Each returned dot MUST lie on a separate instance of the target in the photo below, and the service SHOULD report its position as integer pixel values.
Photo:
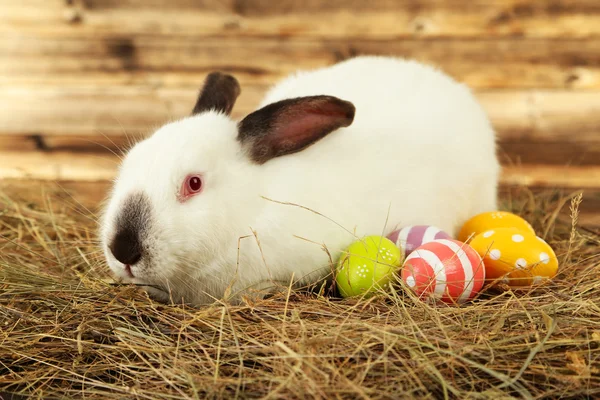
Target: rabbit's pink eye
(195, 183)
(192, 185)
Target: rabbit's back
(396, 99)
(419, 140)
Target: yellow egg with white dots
(489, 220)
(515, 257)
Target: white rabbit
(196, 211)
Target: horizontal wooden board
(381, 19)
(70, 143)
(553, 116)
(59, 166)
(66, 166)
(544, 115)
(575, 177)
(536, 151)
(167, 60)
(97, 111)
(510, 151)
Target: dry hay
(66, 332)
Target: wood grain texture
(482, 64)
(554, 115)
(75, 144)
(110, 110)
(575, 177)
(58, 166)
(511, 152)
(87, 77)
(535, 151)
(381, 19)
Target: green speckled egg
(367, 265)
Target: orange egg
(517, 257)
(490, 220)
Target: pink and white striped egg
(444, 269)
(413, 236)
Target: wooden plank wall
(79, 77)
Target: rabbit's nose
(126, 247)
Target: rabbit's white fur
(420, 151)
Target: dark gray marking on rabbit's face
(291, 125)
(219, 93)
(132, 227)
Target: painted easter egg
(489, 220)
(519, 258)
(411, 237)
(444, 269)
(367, 265)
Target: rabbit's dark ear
(218, 93)
(291, 125)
